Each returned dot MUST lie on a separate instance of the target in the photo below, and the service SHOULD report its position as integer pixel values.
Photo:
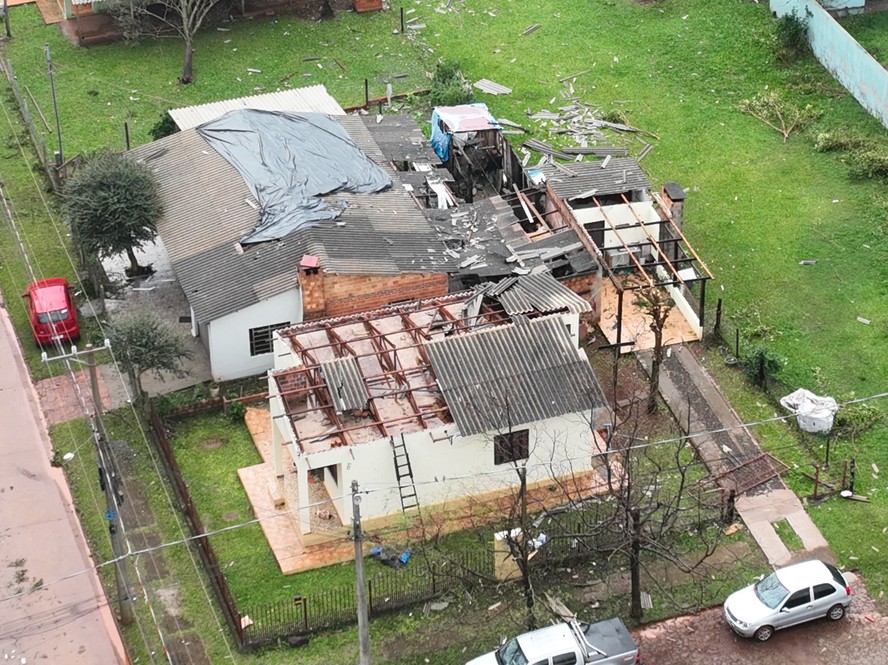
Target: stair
(404, 473)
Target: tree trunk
(6, 19)
(524, 550)
(635, 566)
(188, 65)
(656, 361)
(134, 268)
(136, 385)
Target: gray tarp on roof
(289, 161)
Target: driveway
(705, 639)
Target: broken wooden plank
(644, 151)
(573, 76)
(491, 87)
(598, 152)
(531, 28)
(508, 123)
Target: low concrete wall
(839, 52)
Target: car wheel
(835, 613)
(764, 633)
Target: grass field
(678, 69)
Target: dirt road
(705, 639)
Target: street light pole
(55, 105)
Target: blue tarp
(440, 138)
(291, 162)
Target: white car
(786, 597)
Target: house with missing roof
(273, 216)
(433, 402)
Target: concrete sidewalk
(68, 621)
(735, 458)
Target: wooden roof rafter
(653, 241)
(678, 232)
(632, 256)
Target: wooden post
(366, 93)
(816, 479)
(403, 28)
(718, 317)
(737, 343)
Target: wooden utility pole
(363, 618)
(107, 477)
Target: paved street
(67, 623)
(860, 639)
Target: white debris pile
(813, 413)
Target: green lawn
(871, 31)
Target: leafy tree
(139, 18)
(113, 204)
(143, 342)
(165, 126)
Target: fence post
(718, 317)
(816, 480)
(370, 596)
(737, 343)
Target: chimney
(311, 281)
(673, 197)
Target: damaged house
(427, 403)
(273, 217)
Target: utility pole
(55, 106)
(363, 619)
(108, 480)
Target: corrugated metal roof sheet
(622, 174)
(313, 99)
(345, 383)
(208, 208)
(515, 301)
(547, 294)
(400, 139)
(512, 375)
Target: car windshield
(770, 591)
(510, 654)
(54, 317)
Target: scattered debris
(530, 29)
(808, 262)
(732, 529)
(573, 77)
(847, 494)
(546, 149)
(864, 321)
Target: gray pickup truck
(568, 643)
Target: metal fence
(423, 579)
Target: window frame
(255, 340)
(511, 447)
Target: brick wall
(589, 288)
(335, 295)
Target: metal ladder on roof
(404, 473)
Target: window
(510, 447)
(823, 590)
(564, 659)
(260, 338)
(798, 599)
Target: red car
(51, 311)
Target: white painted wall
(447, 466)
(228, 338)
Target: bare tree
(139, 18)
(657, 305)
(652, 502)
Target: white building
(431, 401)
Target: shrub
(836, 142)
(791, 32)
(165, 126)
(871, 163)
(449, 86)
